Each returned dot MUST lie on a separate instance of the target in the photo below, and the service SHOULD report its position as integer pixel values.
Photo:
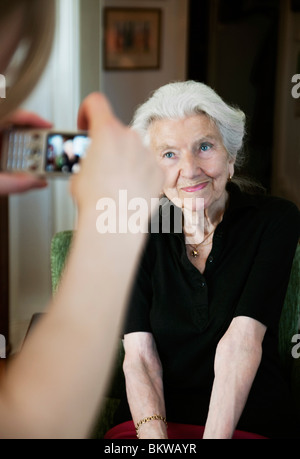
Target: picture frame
(132, 38)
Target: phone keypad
(24, 151)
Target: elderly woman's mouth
(199, 186)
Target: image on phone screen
(64, 152)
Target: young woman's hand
(116, 159)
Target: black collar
(239, 199)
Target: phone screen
(64, 152)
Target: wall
(286, 169)
(90, 46)
(242, 69)
(127, 89)
(30, 228)
(36, 216)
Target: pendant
(194, 253)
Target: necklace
(195, 249)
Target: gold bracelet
(155, 417)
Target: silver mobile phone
(43, 152)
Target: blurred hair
(179, 100)
(38, 23)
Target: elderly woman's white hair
(179, 100)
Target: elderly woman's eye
(205, 146)
(169, 154)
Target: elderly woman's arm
(237, 360)
(144, 385)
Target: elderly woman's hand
(21, 181)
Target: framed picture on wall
(132, 38)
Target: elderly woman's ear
(231, 170)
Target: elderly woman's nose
(189, 165)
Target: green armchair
(289, 326)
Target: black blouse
(246, 274)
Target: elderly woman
(202, 327)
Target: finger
(20, 183)
(93, 112)
(25, 118)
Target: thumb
(93, 112)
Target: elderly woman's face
(192, 155)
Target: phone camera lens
(35, 153)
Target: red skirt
(126, 431)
